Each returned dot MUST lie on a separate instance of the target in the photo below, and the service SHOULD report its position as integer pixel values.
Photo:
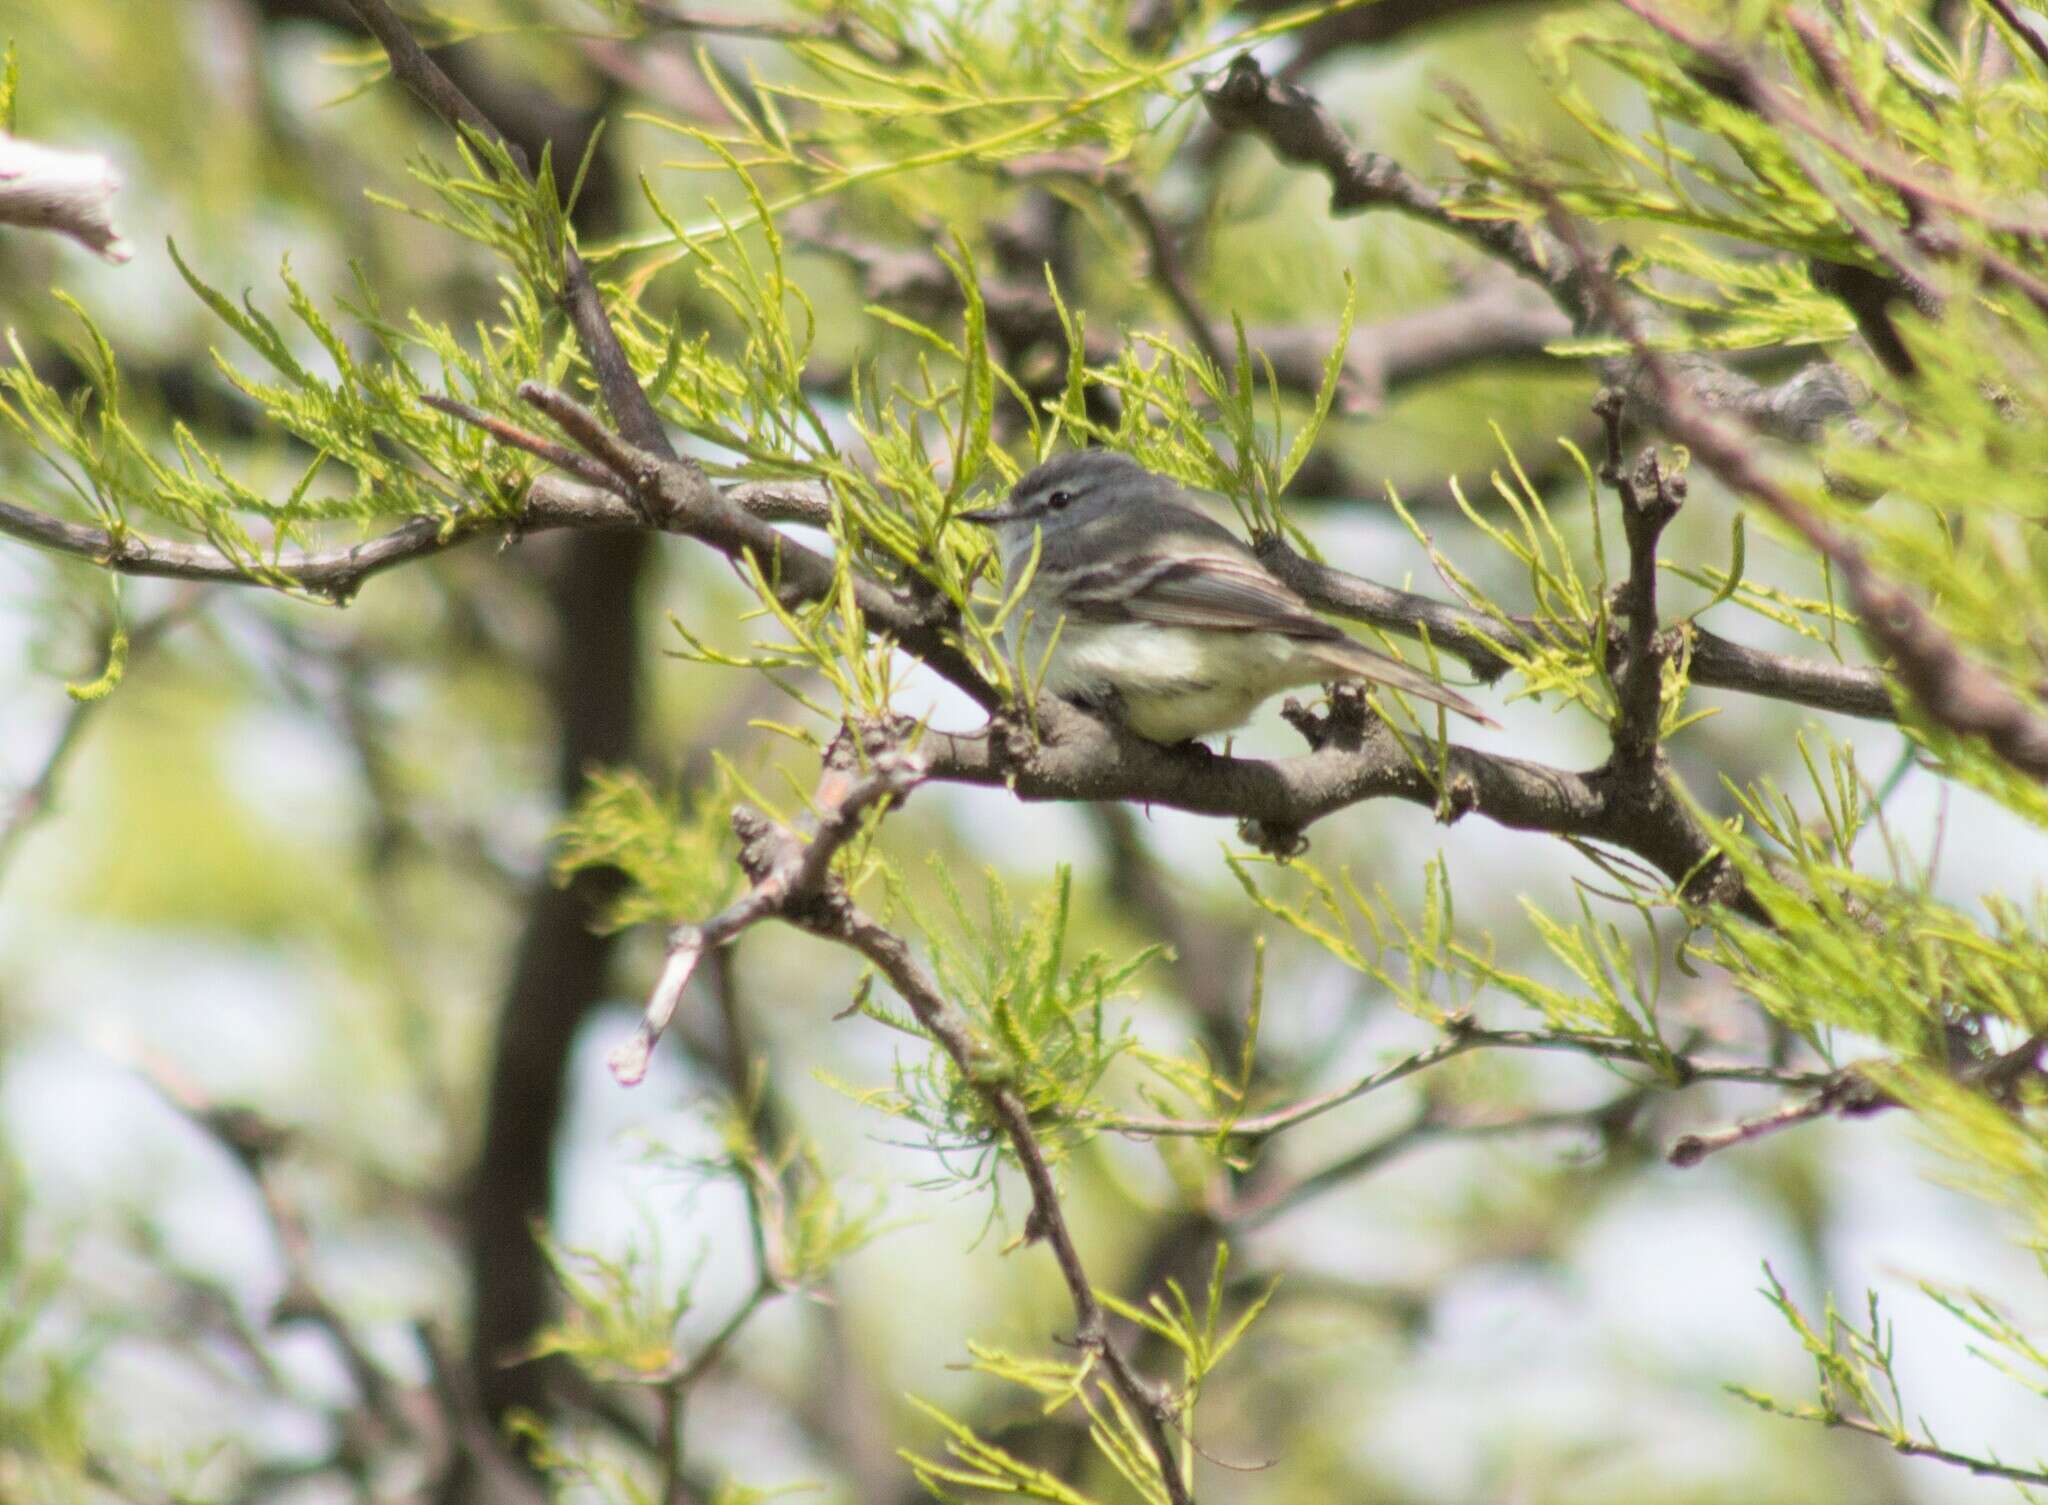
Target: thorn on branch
(1608, 407)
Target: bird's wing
(1224, 589)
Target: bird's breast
(1174, 682)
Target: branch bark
(792, 880)
(72, 193)
(1300, 130)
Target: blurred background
(298, 861)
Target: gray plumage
(1164, 616)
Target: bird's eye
(1059, 499)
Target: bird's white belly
(1175, 682)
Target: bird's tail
(1349, 659)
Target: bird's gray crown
(1070, 489)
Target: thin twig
(1780, 106)
(1690, 1149)
(1427, 1127)
(2022, 28)
(840, 26)
(561, 456)
(411, 66)
(1047, 1221)
(1116, 182)
(1911, 1447)
(1681, 1070)
(334, 574)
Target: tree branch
(1716, 662)
(1427, 1126)
(792, 880)
(336, 574)
(1649, 501)
(842, 27)
(40, 796)
(1499, 320)
(788, 875)
(1358, 757)
(1299, 130)
(1461, 1035)
(254, 1143)
(412, 67)
(1911, 1447)
(2027, 31)
(1953, 690)
(43, 188)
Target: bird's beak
(990, 515)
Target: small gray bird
(1170, 621)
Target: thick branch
(1649, 501)
(1359, 758)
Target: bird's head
(1065, 493)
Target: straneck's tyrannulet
(1165, 619)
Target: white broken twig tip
(43, 188)
(628, 1060)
